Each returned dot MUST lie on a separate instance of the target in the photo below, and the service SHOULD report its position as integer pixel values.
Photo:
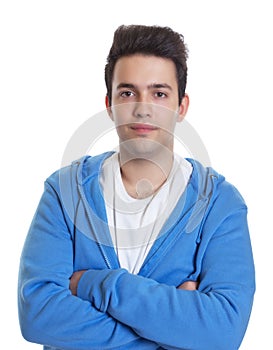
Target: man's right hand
(74, 280)
(188, 285)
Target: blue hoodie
(205, 239)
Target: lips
(143, 128)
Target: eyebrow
(151, 86)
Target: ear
(183, 108)
(108, 107)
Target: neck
(142, 177)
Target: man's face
(145, 104)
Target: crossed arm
(116, 309)
(174, 318)
(75, 278)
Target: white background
(52, 64)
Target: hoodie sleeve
(213, 317)
(49, 314)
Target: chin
(143, 148)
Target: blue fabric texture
(205, 239)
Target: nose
(143, 110)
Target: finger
(189, 285)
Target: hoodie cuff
(96, 286)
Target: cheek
(121, 131)
(166, 120)
(122, 114)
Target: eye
(126, 94)
(160, 94)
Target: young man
(140, 248)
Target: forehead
(144, 69)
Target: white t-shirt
(136, 223)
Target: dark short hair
(148, 40)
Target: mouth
(143, 128)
